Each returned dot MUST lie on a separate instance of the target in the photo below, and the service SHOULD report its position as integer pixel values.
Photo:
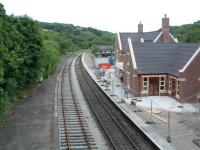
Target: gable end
(132, 53)
(119, 41)
(190, 60)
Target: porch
(156, 85)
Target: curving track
(122, 133)
(73, 129)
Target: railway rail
(120, 130)
(73, 129)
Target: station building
(154, 63)
(105, 51)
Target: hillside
(75, 37)
(189, 33)
(30, 51)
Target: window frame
(145, 87)
(162, 83)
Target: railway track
(73, 130)
(121, 132)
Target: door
(153, 86)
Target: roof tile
(162, 57)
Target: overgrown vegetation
(95, 49)
(21, 56)
(30, 51)
(72, 37)
(189, 33)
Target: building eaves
(159, 58)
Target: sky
(108, 15)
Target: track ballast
(120, 130)
(73, 130)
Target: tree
(189, 33)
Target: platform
(155, 124)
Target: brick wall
(119, 53)
(165, 37)
(121, 56)
(134, 78)
(191, 84)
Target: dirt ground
(31, 124)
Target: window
(145, 88)
(145, 83)
(162, 88)
(177, 87)
(162, 83)
(170, 84)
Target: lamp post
(113, 88)
(107, 84)
(121, 91)
(168, 131)
(197, 105)
(151, 111)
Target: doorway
(153, 86)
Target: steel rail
(66, 124)
(78, 111)
(116, 129)
(133, 134)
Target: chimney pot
(140, 27)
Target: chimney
(140, 27)
(165, 23)
(165, 29)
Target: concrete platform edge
(162, 145)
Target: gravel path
(31, 124)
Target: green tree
(189, 33)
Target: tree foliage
(30, 50)
(189, 33)
(21, 55)
(72, 37)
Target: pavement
(170, 118)
(30, 123)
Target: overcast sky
(109, 15)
